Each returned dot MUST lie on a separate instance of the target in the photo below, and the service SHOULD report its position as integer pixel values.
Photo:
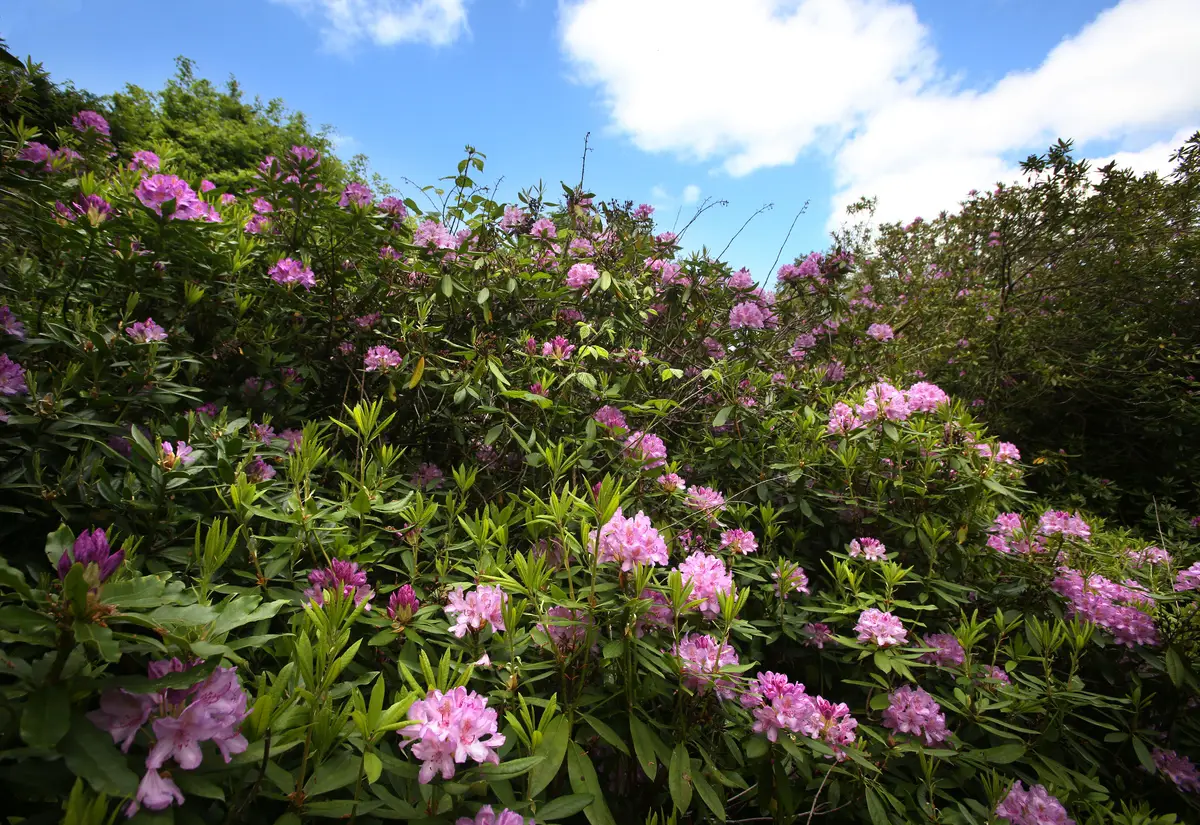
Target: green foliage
(426, 410)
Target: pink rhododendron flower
(925, 397)
(1178, 768)
(709, 579)
(646, 448)
(144, 160)
(451, 728)
(868, 548)
(671, 483)
(747, 314)
(381, 359)
(1111, 606)
(880, 332)
(258, 471)
(947, 651)
(842, 420)
(432, 235)
(610, 417)
(157, 190)
(356, 194)
(789, 578)
(701, 658)
(880, 628)
(291, 271)
(143, 332)
(580, 276)
(558, 348)
(1056, 521)
(884, 401)
(10, 325)
(475, 610)
(342, 577)
(1032, 807)
(91, 548)
(88, 120)
(543, 228)
(629, 541)
(705, 500)
(402, 604)
(1149, 555)
(487, 816)
(739, 541)
(173, 456)
(426, 477)
(1188, 579)
(913, 711)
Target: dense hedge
(437, 508)
(1067, 310)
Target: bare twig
(766, 207)
(583, 162)
(803, 209)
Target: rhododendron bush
(322, 505)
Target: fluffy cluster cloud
(387, 22)
(754, 84)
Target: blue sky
(748, 101)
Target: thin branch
(767, 207)
(583, 162)
(700, 210)
(803, 209)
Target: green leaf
(47, 717)
(608, 734)
(90, 753)
(583, 781)
(643, 746)
(1175, 667)
(709, 795)
(372, 767)
(1002, 754)
(336, 772)
(482, 297)
(14, 578)
(447, 285)
(1143, 754)
(553, 748)
(563, 807)
(58, 542)
(680, 779)
(144, 591)
(879, 814)
(510, 769)
(722, 416)
(418, 371)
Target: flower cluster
(473, 611)
(701, 659)
(709, 579)
(629, 541)
(211, 710)
(611, 417)
(868, 548)
(1178, 768)
(913, 711)
(1032, 807)
(157, 191)
(646, 448)
(738, 541)
(143, 332)
(947, 650)
(342, 577)
(91, 548)
(451, 728)
(487, 816)
(1188, 579)
(705, 500)
(1116, 608)
(781, 705)
(580, 276)
(880, 628)
(291, 271)
(402, 604)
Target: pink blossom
(143, 332)
(558, 348)
(701, 659)
(705, 500)
(880, 628)
(913, 711)
(402, 604)
(291, 271)
(451, 728)
(172, 456)
(580, 276)
(543, 228)
(157, 190)
(842, 420)
(947, 651)
(611, 417)
(342, 577)
(818, 634)
(739, 541)
(880, 332)
(432, 235)
(1178, 768)
(144, 160)
(868, 548)
(1188, 579)
(1149, 555)
(925, 397)
(1032, 807)
(1113, 607)
(1057, 521)
(629, 541)
(426, 477)
(87, 120)
(381, 359)
(568, 629)
(645, 448)
(747, 314)
(709, 579)
(474, 610)
(487, 816)
(789, 578)
(883, 400)
(671, 483)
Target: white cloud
(660, 198)
(691, 194)
(386, 22)
(1154, 158)
(858, 80)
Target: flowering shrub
(451, 534)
